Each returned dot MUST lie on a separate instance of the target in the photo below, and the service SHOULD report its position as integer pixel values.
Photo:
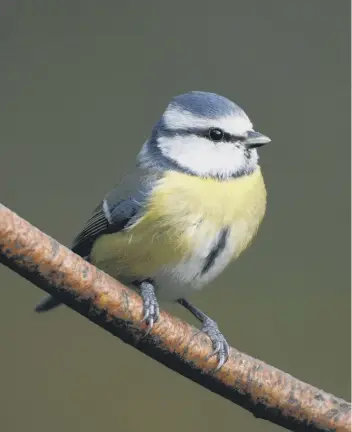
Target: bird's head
(203, 134)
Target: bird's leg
(150, 303)
(210, 328)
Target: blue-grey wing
(113, 214)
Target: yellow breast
(182, 212)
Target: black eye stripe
(203, 133)
(226, 137)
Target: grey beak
(256, 139)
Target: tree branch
(261, 389)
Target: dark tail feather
(47, 304)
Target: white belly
(206, 261)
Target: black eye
(216, 134)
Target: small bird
(193, 203)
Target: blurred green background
(82, 83)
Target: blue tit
(193, 203)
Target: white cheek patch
(236, 124)
(204, 158)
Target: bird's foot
(220, 345)
(210, 328)
(150, 304)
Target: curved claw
(157, 312)
(217, 348)
(150, 326)
(146, 315)
(223, 357)
(220, 345)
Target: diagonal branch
(261, 389)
